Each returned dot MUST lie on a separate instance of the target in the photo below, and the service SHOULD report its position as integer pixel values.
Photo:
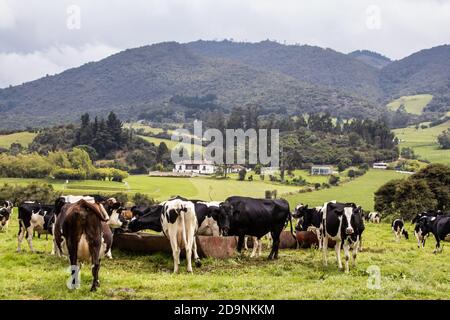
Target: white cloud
(7, 20)
(17, 68)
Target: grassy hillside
(24, 138)
(424, 143)
(413, 104)
(406, 273)
(360, 190)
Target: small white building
(321, 170)
(270, 170)
(235, 168)
(195, 166)
(380, 165)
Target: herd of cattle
(83, 226)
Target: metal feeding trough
(215, 247)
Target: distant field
(361, 190)
(171, 144)
(24, 138)
(424, 143)
(413, 104)
(162, 188)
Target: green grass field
(413, 104)
(360, 191)
(423, 142)
(24, 138)
(298, 274)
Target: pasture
(413, 104)
(24, 138)
(359, 190)
(424, 142)
(406, 273)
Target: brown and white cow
(81, 232)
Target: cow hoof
(93, 289)
(198, 263)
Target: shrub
(333, 180)
(242, 174)
(140, 199)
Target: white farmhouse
(195, 166)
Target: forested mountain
(371, 58)
(171, 79)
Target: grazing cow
(34, 216)
(422, 238)
(5, 214)
(398, 228)
(438, 226)
(148, 218)
(81, 232)
(179, 224)
(343, 223)
(374, 217)
(241, 216)
(311, 219)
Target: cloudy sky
(39, 37)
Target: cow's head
(299, 211)
(223, 216)
(115, 218)
(151, 219)
(349, 219)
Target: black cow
(438, 226)
(241, 216)
(421, 239)
(343, 223)
(5, 214)
(149, 218)
(34, 216)
(310, 220)
(398, 228)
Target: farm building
(235, 168)
(195, 166)
(321, 170)
(380, 165)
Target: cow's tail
(183, 227)
(292, 229)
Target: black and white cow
(179, 224)
(34, 216)
(343, 223)
(398, 228)
(311, 220)
(422, 238)
(438, 226)
(374, 217)
(146, 218)
(5, 214)
(241, 216)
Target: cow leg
(30, 238)
(109, 254)
(246, 243)
(198, 262)
(189, 256)
(337, 248)
(347, 255)
(355, 251)
(275, 245)
(20, 236)
(95, 254)
(255, 246)
(325, 250)
(175, 253)
(319, 238)
(73, 265)
(240, 244)
(438, 245)
(259, 248)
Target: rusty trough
(215, 247)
